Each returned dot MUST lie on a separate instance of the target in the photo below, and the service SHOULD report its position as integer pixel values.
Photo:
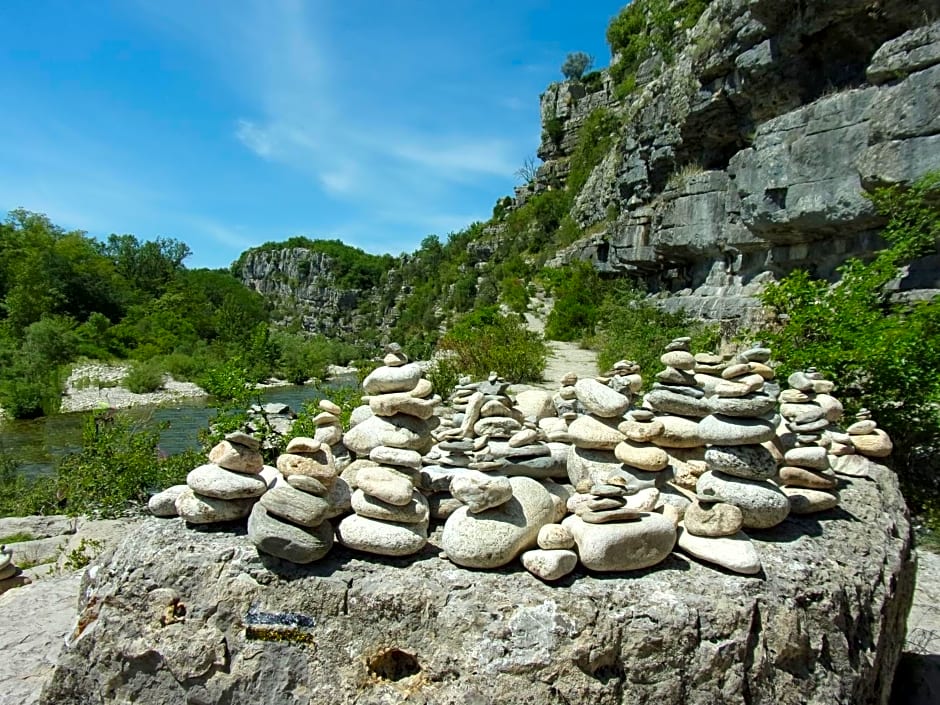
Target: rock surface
(421, 630)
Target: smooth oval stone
(293, 543)
(330, 407)
(641, 431)
(668, 402)
(298, 507)
(525, 437)
(678, 432)
(811, 427)
(757, 354)
(318, 466)
(763, 370)
(498, 426)
(197, 509)
(243, 439)
(809, 501)
(679, 359)
(823, 386)
(399, 431)
(381, 538)
(833, 406)
(630, 545)
(601, 400)
(762, 503)
(416, 511)
(385, 484)
(383, 380)
(480, 491)
(549, 564)
(800, 382)
(737, 370)
(239, 458)
(813, 457)
(874, 445)
(329, 435)
(677, 377)
(163, 504)
(303, 444)
(423, 389)
(594, 434)
(752, 462)
(401, 457)
(713, 519)
(213, 481)
(736, 552)
(602, 503)
(748, 406)
(861, 428)
(802, 477)
(403, 403)
(644, 456)
(554, 537)
(494, 537)
(610, 515)
(535, 403)
(311, 485)
(735, 431)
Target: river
(36, 444)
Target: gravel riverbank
(91, 386)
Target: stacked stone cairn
(736, 492)
(867, 438)
(329, 431)
(391, 515)
(291, 520)
(616, 474)
(806, 476)
(227, 487)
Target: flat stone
(381, 538)
(442, 505)
(621, 546)
(861, 428)
(833, 407)
(668, 402)
(498, 426)
(330, 407)
(555, 537)
(308, 484)
(586, 467)
(163, 504)
(494, 537)
(677, 377)
(423, 389)
(799, 381)
(549, 564)
(601, 400)
(644, 456)
(497, 407)
(288, 503)
(318, 466)
(197, 509)
(641, 415)
(679, 359)
(762, 503)
(525, 437)
(287, 541)
(213, 481)
(603, 503)
(243, 439)
(813, 457)
(747, 406)
(713, 519)
(415, 512)
(810, 427)
(809, 501)
(394, 360)
(641, 431)
(480, 491)
(756, 354)
(325, 418)
(735, 431)
(399, 431)
(874, 445)
(386, 485)
(795, 396)
(496, 449)
(678, 432)
(535, 403)
(738, 370)
(802, 477)
(403, 403)
(303, 444)
(610, 515)
(329, 435)
(384, 380)
(591, 433)
(684, 390)
(823, 386)
(736, 552)
(239, 458)
(751, 462)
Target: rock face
(176, 615)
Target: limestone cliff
(748, 154)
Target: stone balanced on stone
(291, 521)
(226, 488)
(867, 438)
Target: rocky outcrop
(181, 615)
(749, 154)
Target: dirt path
(564, 357)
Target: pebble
(642, 415)
(554, 537)
(213, 481)
(292, 543)
(549, 564)
(385, 379)
(801, 477)
(415, 512)
(600, 400)
(861, 428)
(239, 458)
(318, 466)
(810, 501)
(163, 504)
(499, 426)
(330, 407)
(644, 456)
(386, 485)
(799, 381)
(735, 552)
(733, 431)
(591, 433)
(632, 545)
(371, 536)
(751, 462)
(296, 506)
(762, 504)
(495, 537)
(668, 402)
(197, 509)
(480, 491)
(303, 444)
(713, 519)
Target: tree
(576, 63)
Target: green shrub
(577, 289)
(145, 377)
(30, 393)
(555, 129)
(444, 374)
(485, 340)
(595, 138)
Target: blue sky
(228, 123)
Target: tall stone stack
(399, 411)
(806, 476)
(226, 488)
(291, 521)
(742, 423)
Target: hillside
(730, 142)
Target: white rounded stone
(601, 400)
(632, 545)
(480, 491)
(736, 553)
(550, 564)
(381, 538)
(212, 481)
(383, 380)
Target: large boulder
(176, 615)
